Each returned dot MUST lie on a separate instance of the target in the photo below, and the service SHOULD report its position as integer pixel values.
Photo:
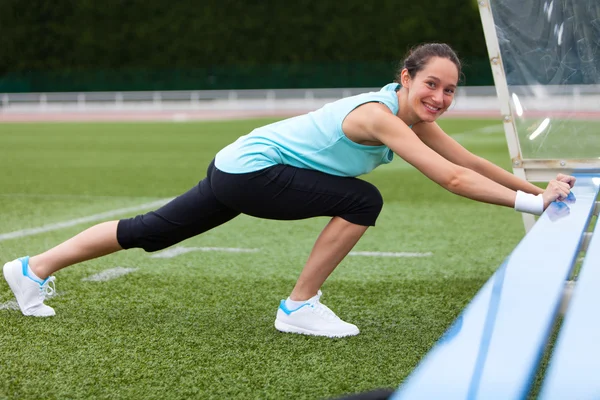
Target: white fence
(476, 99)
(281, 99)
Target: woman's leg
(332, 245)
(29, 277)
(288, 193)
(97, 241)
(303, 312)
(190, 214)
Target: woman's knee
(188, 215)
(375, 199)
(368, 203)
(141, 232)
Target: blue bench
(493, 350)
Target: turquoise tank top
(311, 141)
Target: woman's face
(431, 91)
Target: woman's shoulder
(391, 87)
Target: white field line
(109, 274)
(9, 305)
(77, 221)
(12, 304)
(388, 254)
(65, 196)
(175, 251)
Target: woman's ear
(405, 78)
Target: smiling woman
(427, 69)
(305, 167)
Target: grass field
(562, 139)
(200, 324)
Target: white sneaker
(312, 318)
(29, 290)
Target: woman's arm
(373, 122)
(434, 137)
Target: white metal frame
(510, 130)
(534, 170)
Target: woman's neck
(404, 110)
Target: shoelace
(48, 289)
(325, 311)
(322, 309)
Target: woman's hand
(567, 179)
(558, 189)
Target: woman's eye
(450, 91)
(431, 84)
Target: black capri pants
(280, 192)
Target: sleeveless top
(312, 141)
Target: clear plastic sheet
(551, 56)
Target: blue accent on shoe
(287, 310)
(25, 264)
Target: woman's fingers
(570, 180)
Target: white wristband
(529, 203)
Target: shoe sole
(17, 289)
(286, 328)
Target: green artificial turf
(200, 325)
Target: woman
(305, 167)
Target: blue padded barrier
(574, 371)
(492, 351)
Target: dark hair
(419, 56)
